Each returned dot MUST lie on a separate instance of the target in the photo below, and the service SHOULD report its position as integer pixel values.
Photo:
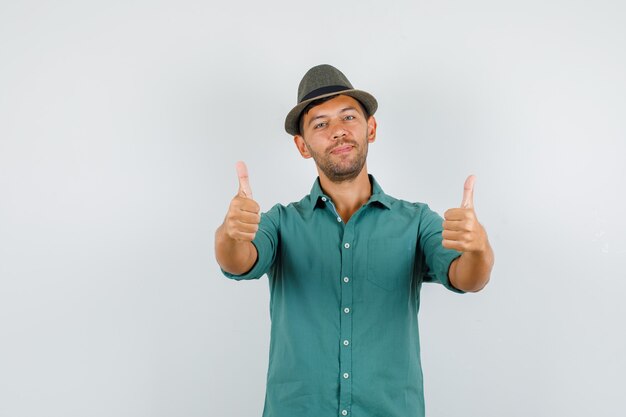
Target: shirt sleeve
(438, 258)
(266, 243)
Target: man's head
(336, 134)
(332, 123)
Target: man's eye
(350, 117)
(317, 126)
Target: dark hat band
(324, 90)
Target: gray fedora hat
(324, 81)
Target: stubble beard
(341, 171)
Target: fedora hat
(324, 81)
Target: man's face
(336, 135)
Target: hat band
(324, 90)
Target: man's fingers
(457, 214)
(243, 217)
(468, 192)
(455, 225)
(248, 217)
(247, 227)
(244, 181)
(451, 244)
(243, 236)
(454, 235)
(243, 203)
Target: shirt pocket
(389, 263)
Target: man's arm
(462, 231)
(234, 256)
(471, 271)
(234, 250)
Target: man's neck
(348, 196)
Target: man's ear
(301, 145)
(371, 129)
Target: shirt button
(339, 219)
(344, 412)
(346, 245)
(346, 279)
(346, 375)
(324, 199)
(346, 343)
(346, 310)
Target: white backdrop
(120, 123)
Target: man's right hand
(243, 218)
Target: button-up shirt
(344, 299)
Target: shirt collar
(319, 199)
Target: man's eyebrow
(321, 116)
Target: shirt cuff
(444, 268)
(254, 273)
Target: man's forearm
(234, 256)
(471, 271)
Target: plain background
(121, 122)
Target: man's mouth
(341, 149)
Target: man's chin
(343, 175)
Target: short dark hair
(320, 101)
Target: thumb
(468, 192)
(244, 181)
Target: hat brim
(293, 117)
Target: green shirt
(343, 304)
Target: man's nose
(338, 131)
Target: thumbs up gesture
(243, 218)
(461, 230)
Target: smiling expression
(336, 135)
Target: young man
(345, 266)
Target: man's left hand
(461, 230)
